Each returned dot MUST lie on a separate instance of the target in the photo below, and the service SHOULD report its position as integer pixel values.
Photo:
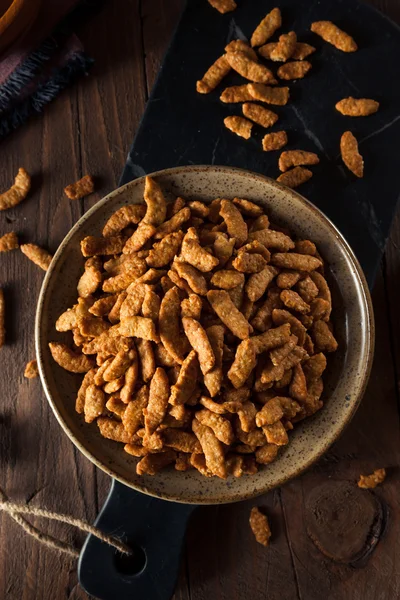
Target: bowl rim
(361, 284)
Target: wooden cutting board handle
(17, 16)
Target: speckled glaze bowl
(345, 378)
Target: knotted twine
(16, 510)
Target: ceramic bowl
(345, 378)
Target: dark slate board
(182, 127)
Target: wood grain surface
(330, 540)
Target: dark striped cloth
(36, 68)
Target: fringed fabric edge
(79, 64)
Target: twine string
(16, 510)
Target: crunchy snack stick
(162, 253)
(281, 317)
(91, 278)
(156, 408)
(37, 255)
(323, 289)
(67, 320)
(174, 223)
(122, 281)
(123, 217)
(368, 482)
(9, 241)
(95, 401)
(227, 280)
(298, 385)
(238, 465)
(285, 47)
(181, 440)
(243, 365)
(124, 263)
(357, 107)
(223, 248)
(103, 306)
(295, 177)
(260, 526)
(211, 447)
(271, 412)
(156, 205)
(302, 51)
(266, 454)
(307, 289)
(273, 239)
(198, 209)
(242, 127)
(250, 209)
(276, 434)
(151, 305)
(267, 27)
(146, 359)
(132, 303)
(140, 327)
(68, 359)
(169, 325)
(174, 207)
(133, 417)
(260, 115)
(335, 36)
(293, 301)
(297, 262)
(152, 276)
(236, 93)
(152, 463)
(306, 247)
(186, 382)
(294, 158)
(294, 70)
(223, 6)
(273, 338)
(80, 189)
(319, 309)
(229, 314)
(194, 277)
(241, 46)
(287, 279)
(279, 354)
(213, 379)
(271, 95)
(214, 75)
(93, 246)
(31, 369)
(196, 255)
(323, 338)
(17, 192)
(200, 343)
(234, 221)
(141, 235)
(350, 154)
(249, 69)
(119, 365)
(258, 282)
(191, 307)
(220, 425)
(80, 398)
(274, 141)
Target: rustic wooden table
(330, 540)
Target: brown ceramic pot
(17, 16)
